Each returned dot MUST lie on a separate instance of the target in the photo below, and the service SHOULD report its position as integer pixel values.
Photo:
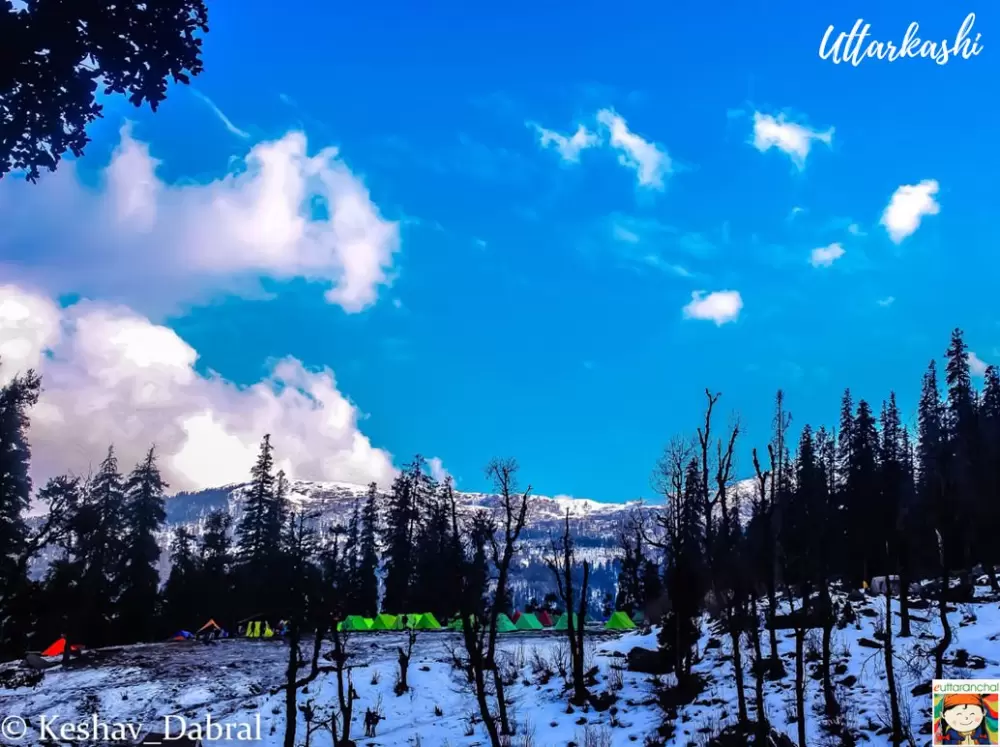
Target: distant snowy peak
(335, 499)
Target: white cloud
(855, 230)
(281, 213)
(825, 256)
(569, 147)
(909, 204)
(887, 301)
(718, 306)
(110, 376)
(650, 162)
(226, 121)
(438, 472)
(794, 139)
(621, 233)
(977, 366)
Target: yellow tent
(268, 633)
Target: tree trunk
(832, 708)
(484, 706)
(904, 596)
(945, 641)
(890, 673)
(291, 692)
(800, 685)
(758, 669)
(735, 624)
(772, 606)
(501, 702)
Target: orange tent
(59, 648)
(210, 625)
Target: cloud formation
(650, 162)
(825, 256)
(280, 213)
(226, 121)
(977, 366)
(795, 140)
(907, 207)
(110, 376)
(719, 306)
(569, 147)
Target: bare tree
(403, 657)
(561, 563)
(478, 616)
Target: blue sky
(535, 305)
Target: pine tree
(963, 446)
(143, 516)
(180, 594)
(215, 564)
(101, 544)
(859, 489)
(276, 517)
(16, 398)
(352, 557)
(933, 491)
(400, 532)
(366, 581)
(255, 529)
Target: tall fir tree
(180, 593)
(253, 532)
(215, 563)
(16, 399)
(144, 514)
(962, 438)
(352, 557)
(400, 532)
(102, 526)
(366, 582)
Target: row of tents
(520, 621)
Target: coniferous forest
(816, 511)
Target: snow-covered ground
(232, 680)
(858, 672)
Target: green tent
(427, 621)
(528, 621)
(619, 621)
(384, 622)
(563, 622)
(355, 623)
(504, 625)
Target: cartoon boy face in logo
(963, 720)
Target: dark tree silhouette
(54, 55)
